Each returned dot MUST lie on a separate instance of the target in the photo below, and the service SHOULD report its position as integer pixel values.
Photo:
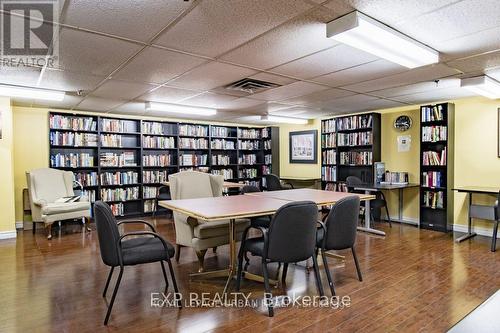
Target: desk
(470, 190)
(321, 198)
(368, 188)
(226, 185)
(303, 182)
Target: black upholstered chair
(290, 238)
(339, 232)
(495, 225)
(375, 204)
(273, 183)
(162, 193)
(117, 251)
(255, 222)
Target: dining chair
(273, 183)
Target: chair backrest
(249, 189)
(292, 232)
(273, 182)
(107, 232)
(341, 224)
(351, 181)
(194, 184)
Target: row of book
(355, 139)
(266, 132)
(328, 126)
(221, 132)
(196, 168)
(354, 122)
(190, 143)
(336, 187)
(153, 128)
(328, 140)
(162, 160)
(221, 160)
(268, 159)
(193, 160)
(72, 123)
(124, 159)
(89, 195)
(222, 144)
(154, 176)
(247, 159)
(120, 194)
(250, 145)
(117, 209)
(193, 130)
(396, 177)
(434, 157)
(432, 113)
(71, 160)
(434, 133)
(255, 183)
(119, 125)
(119, 178)
(149, 192)
(160, 142)
(433, 199)
(86, 178)
(248, 173)
(149, 206)
(330, 156)
(226, 173)
(114, 140)
(432, 179)
(329, 173)
(267, 145)
(73, 139)
(249, 133)
(266, 169)
(356, 158)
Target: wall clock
(403, 123)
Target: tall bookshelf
(436, 166)
(349, 146)
(124, 161)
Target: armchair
(189, 231)
(45, 186)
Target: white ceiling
(119, 54)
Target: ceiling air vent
(251, 86)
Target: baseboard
(19, 225)
(478, 230)
(406, 220)
(8, 234)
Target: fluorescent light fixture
(362, 32)
(482, 85)
(33, 93)
(285, 120)
(174, 108)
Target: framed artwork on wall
(304, 147)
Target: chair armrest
(289, 184)
(40, 202)
(137, 233)
(322, 226)
(136, 222)
(75, 182)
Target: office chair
(495, 226)
(260, 221)
(273, 183)
(339, 233)
(118, 251)
(294, 223)
(162, 193)
(378, 203)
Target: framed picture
(304, 147)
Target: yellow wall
(7, 221)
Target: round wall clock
(402, 123)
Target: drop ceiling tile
(240, 103)
(418, 88)
(365, 72)
(141, 21)
(212, 75)
(131, 108)
(69, 81)
(208, 100)
(426, 73)
(99, 104)
(473, 44)
(25, 76)
(478, 63)
(331, 60)
(216, 26)
(345, 102)
(122, 89)
(435, 95)
(168, 95)
(295, 89)
(273, 78)
(92, 54)
(297, 38)
(158, 66)
(319, 96)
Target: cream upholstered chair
(45, 186)
(189, 231)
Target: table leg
(469, 233)
(367, 227)
(400, 207)
(232, 254)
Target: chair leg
(239, 273)
(155, 208)
(494, 237)
(174, 281)
(317, 275)
(34, 227)
(328, 274)
(388, 216)
(267, 288)
(201, 259)
(107, 281)
(85, 225)
(49, 231)
(164, 275)
(285, 271)
(360, 277)
(177, 252)
(110, 306)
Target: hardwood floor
(414, 280)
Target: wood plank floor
(414, 280)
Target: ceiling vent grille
(251, 86)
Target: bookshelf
(349, 147)
(436, 166)
(124, 161)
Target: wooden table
(321, 198)
(226, 185)
(302, 182)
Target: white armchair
(189, 231)
(45, 186)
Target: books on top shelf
(71, 160)
(152, 160)
(328, 140)
(193, 160)
(72, 139)
(124, 159)
(328, 126)
(354, 122)
(160, 142)
(433, 199)
(248, 144)
(249, 133)
(226, 173)
(329, 173)
(434, 133)
(434, 157)
(432, 179)
(118, 125)
(193, 130)
(222, 144)
(248, 173)
(432, 113)
(355, 139)
(120, 194)
(219, 131)
(356, 158)
(247, 159)
(86, 178)
(152, 128)
(191, 143)
(74, 123)
(119, 178)
(330, 156)
(154, 176)
(266, 132)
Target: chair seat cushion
(263, 221)
(142, 250)
(218, 228)
(255, 246)
(59, 208)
